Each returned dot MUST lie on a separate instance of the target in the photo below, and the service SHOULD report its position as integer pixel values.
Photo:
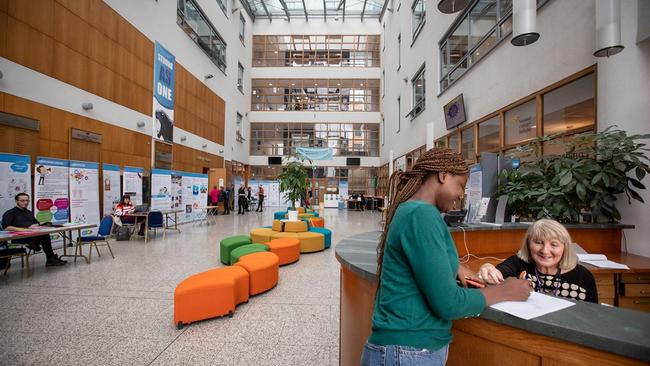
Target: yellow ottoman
(309, 241)
(261, 235)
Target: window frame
(418, 106)
(420, 25)
(242, 28)
(240, 78)
(182, 20)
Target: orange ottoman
(317, 222)
(287, 249)
(263, 269)
(210, 294)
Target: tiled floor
(119, 312)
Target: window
(419, 93)
(239, 134)
(467, 144)
(399, 51)
(399, 113)
(418, 17)
(333, 50)
(489, 134)
(345, 139)
(521, 123)
(383, 131)
(242, 27)
(475, 33)
(325, 95)
(197, 26)
(240, 77)
(222, 5)
(383, 83)
(453, 141)
(570, 107)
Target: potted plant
(585, 181)
(294, 179)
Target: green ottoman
(246, 249)
(228, 244)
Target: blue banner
(84, 164)
(315, 153)
(131, 169)
(112, 167)
(163, 94)
(52, 161)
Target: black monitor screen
(354, 161)
(455, 112)
(275, 160)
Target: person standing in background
(214, 198)
(249, 197)
(260, 200)
(225, 197)
(241, 194)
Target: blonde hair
(545, 230)
(403, 185)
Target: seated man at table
(20, 218)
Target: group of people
(244, 198)
(423, 287)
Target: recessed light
(293, 84)
(315, 84)
(338, 84)
(270, 84)
(361, 84)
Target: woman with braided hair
(417, 267)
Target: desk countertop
(619, 331)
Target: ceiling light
(315, 84)
(293, 84)
(270, 84)
(361, 84)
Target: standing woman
(418, 265)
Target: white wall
(624, 100)
(509, 73)
(506, 74)
(157, 21)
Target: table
(146, 222)
(174, 220)
(583, 334)
(356, 204)
(209, 212)
(65, 232)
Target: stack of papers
(536, 305)
(600, 261)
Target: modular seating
(302, 213)
(243, 250)
(310, 241)
(326, 232)
(263, 270)
(317, 222)
(210, 294)
(287, 249)
(227, 245)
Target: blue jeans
(374, 355)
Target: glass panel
(419, 90)
(418, 15)
(483, 18)
(467, 148)
(489, 134)
(521, 123)
(571, 106)
(458, 42)
(453, 141)
(441, 142)
(486, 46)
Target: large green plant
(596, 168)
(294, 179)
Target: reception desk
(580, 335)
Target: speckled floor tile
(119, 311)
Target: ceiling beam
(340, 5)
(383, 10)
(286, 10)
(304, 7)
(344, 4)
(324, 10)
(248, 9)
(266, 10)
(363, 12)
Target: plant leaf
(566, 178)
(581, 191)
(640, 173)
(635, 195)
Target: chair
(103, 234)
(155, 221)
(10, 253)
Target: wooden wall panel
(88, 45)
(190, 160)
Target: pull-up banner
(163, 94)
(15, 177)
(51, 202)
(161, 190)
(111, 185)
(132, 183)
(84, 195)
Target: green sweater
(418, 296)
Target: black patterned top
(577, 284)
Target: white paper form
(600, 261)
(536, 305)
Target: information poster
(473, 192)
(111, 187)
(84, 195)
(161, 189)
(15, 177)
(202, 181)
(51, 203)
(186, 197)
(163, 94)
(177, 193)
(273, 195)
(132, 183)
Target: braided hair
(403, 185)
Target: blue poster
(163, 94)
(15, 177)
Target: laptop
(141, 208)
